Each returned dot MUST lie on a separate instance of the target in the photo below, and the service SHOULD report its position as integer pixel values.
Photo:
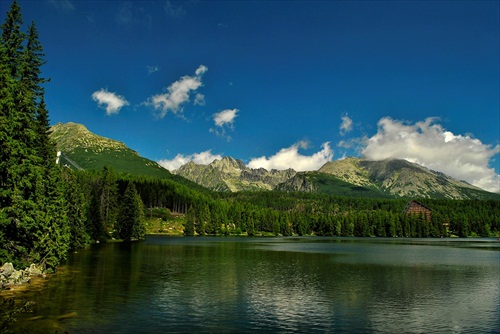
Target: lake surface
(278, 285)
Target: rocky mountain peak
(233, 175)
(229, 165)
(348, 170)
(187, 166)
(69, 136)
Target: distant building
(416, 208)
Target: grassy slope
(331, 185)
(127, 162)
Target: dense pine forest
(47, 210)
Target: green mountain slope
(81, 149)
(401, 178)
(323, 183)
(84, 149)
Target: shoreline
(19, 280)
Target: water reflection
(273, 285)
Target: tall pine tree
(33, 221)
(130, 224)
(190, 222)
(107, 200)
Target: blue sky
(280, 84)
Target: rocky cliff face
(299, 182)
(229, 174)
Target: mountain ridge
(401, 178)
(350, 176)
(229, 174)
(69, 136)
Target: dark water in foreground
(279, 285)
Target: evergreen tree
(12, 39)
(390, 225)
(34, 226)
(6, 104)
(30, 68)
(285, 226)
(46, 149)
(214, 223)
(202, 219)
(22, 180)
(10, 54)
(76, 206)
(250, 226)
(338, 226)
(53, 226)
(94, 224)
(139, 228)
(107, 201)
(130, 224)
(189, 223)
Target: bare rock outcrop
(9, 276)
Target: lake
(275, 285)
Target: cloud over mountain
(111, 101)
(429, 144)
(291, 158)
(178, 93)
(202, 158)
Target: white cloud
(178, 93)
(429, 144)
(199, 100)
(223, 120)
(291, 158)
(112, 101)
(152, 69)
(201, 70)
(202, 158)
(346, 125)
(225, 117)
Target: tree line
(286, 214)
(47, 210)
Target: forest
(47, 210)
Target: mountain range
(81, 149)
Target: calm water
(279, 285)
